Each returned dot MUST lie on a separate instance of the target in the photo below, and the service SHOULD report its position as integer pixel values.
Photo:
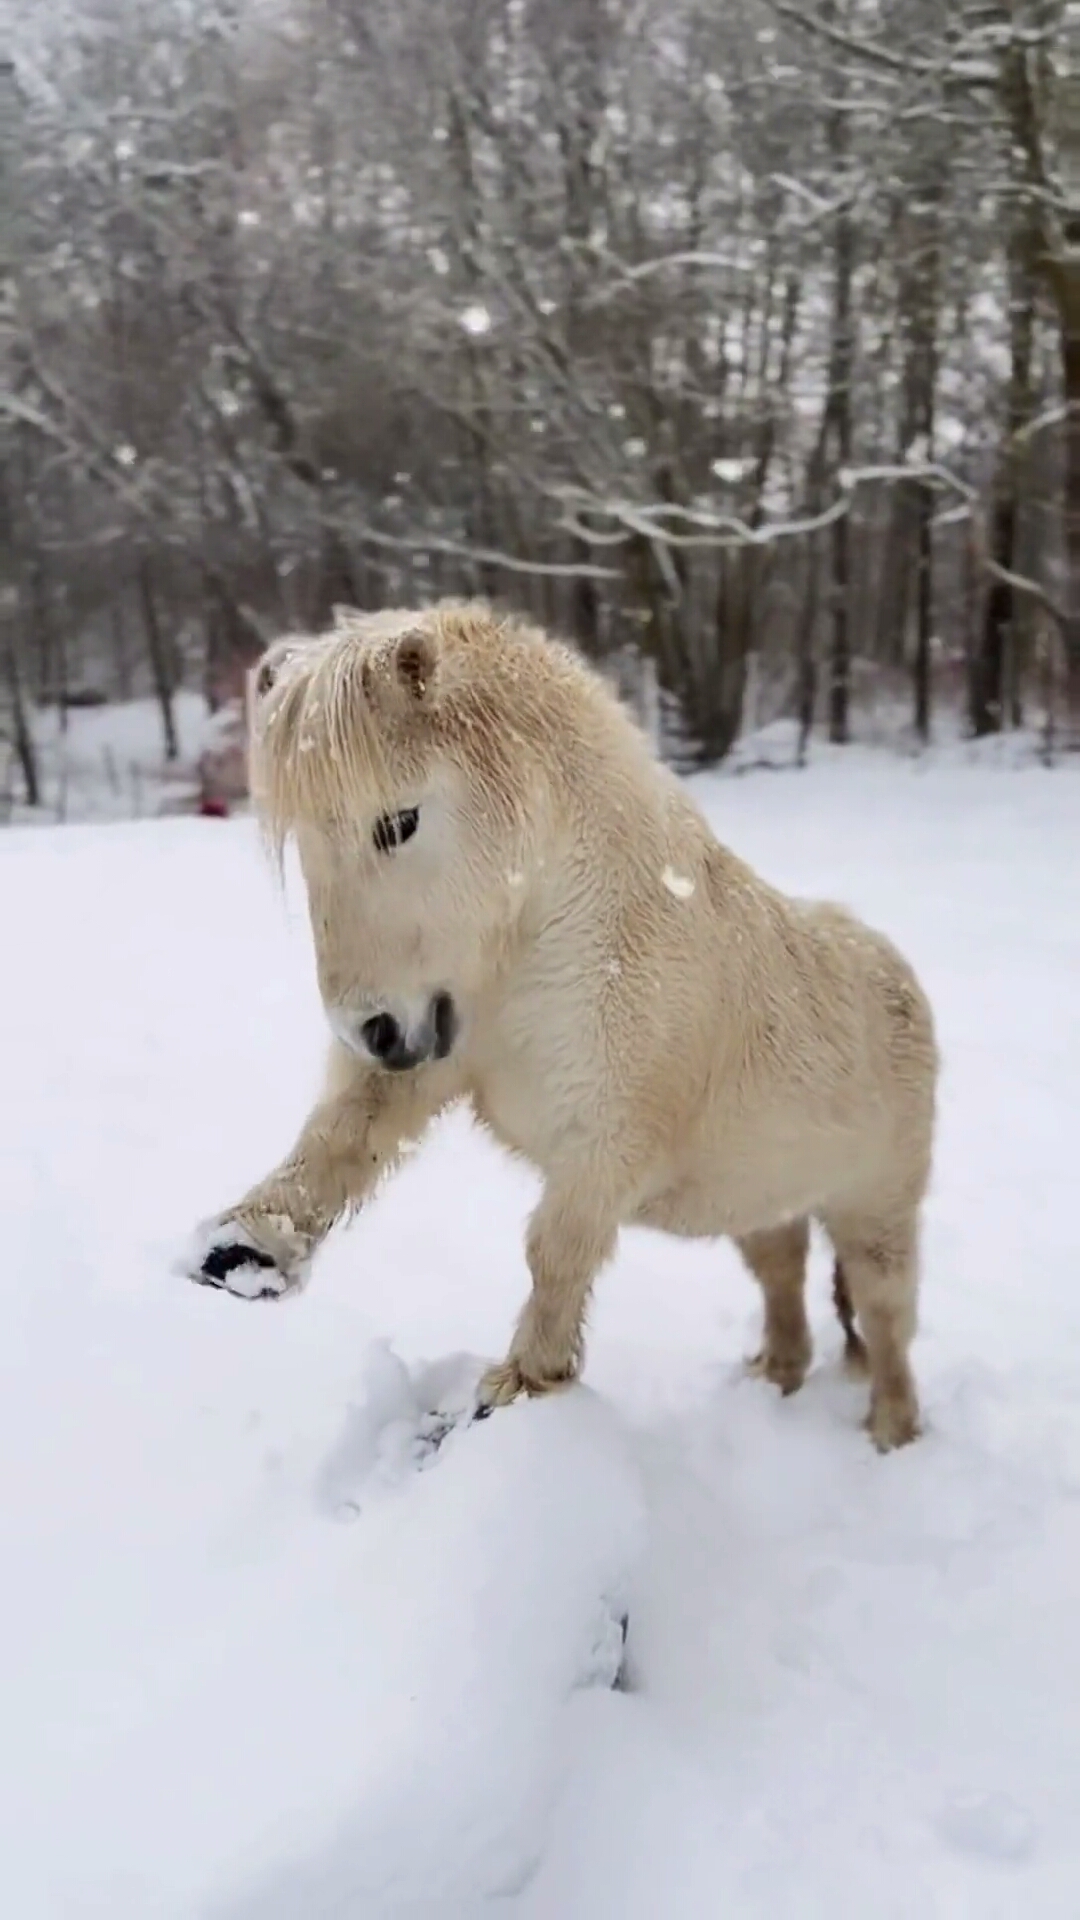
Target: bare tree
(741, 343)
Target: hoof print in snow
(605, 1665)
(437, 1424)
(621, 1682)
(990, 1826)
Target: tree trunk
(1068, 286)
(25, 749)
(988, 666)
(718, 713)
(841, 369)
(121, 658)
(335, 579)
(160, 664)
(922, 369)
(990, 675)
(585, 618)
(807, 657)
(999, 636)
(921, 671)
(840, 654)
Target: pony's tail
(855, 1357)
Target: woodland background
(739, 342)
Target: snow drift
(854, 1681)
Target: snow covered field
(229, 1696)
(107, 763)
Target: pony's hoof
(499, 1387)
(783, 1367)
(502, 1385)
(893, 1423)
(225, 1256)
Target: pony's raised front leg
(362, 1123)
(570, 1238)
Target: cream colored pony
(514, 904)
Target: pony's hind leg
(777, 1259)
(855, 1359)
(878, 1259)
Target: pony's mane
(315, 755)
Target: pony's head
(403, 753)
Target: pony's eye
(393, 829)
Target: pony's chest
(539, 1073)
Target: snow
(108, 762)
(260, 1663)
(679, 885)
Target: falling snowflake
(476, 320)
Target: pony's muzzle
(398, 1043)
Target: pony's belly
(695, 1211)
(750, 1183)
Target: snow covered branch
(730, 338)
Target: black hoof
(482, 1412)
(221, 1261)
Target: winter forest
(539, 1333)
(739, 343)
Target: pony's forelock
(316, 756)
(347, 710)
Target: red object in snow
(212, 809)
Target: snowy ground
(105, 763)
(856, 1680)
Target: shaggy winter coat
(514, 904)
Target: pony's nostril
(444, 1020)
(399, 1047)
(381, 1035)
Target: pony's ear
(262, 676)
(414, 667)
